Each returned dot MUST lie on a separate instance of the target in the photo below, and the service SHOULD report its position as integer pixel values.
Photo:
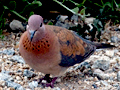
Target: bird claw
(50, 81)
(48, 84)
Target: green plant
(76, 9)
(101, 10)
(13, 7)
(2, 20)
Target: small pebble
(16, 25)
(18, 59)
(8, 52)
(110, 53)
(56, 88)
(100, 74)
(33, 84)
(94, 85)
(118, 76)
(28, 73)
(101, 64)
(2, 83)
(114, 39)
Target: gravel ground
(99, 72)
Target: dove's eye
(41, 25)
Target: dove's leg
(50, 81)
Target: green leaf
(31, 6)
(38, 3)
(82, 12)
(31, 13)
(5, 7)
(12, 5)
(116, 4)
(24, 0)
(108, 4)
(50, 23)
(76, 9)
(1, 11)
(2, 36)
(74, 2)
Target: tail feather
(103, 45)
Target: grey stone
(100, 74)
(1, 52)
(118, 88)
(118, 76)
(82, 65)
(8, 52)
(114, 39)
(28, 73)
(101, 64)
(94, 85)
(33, 84)
(61, 24)
(116, 85)
(16, 25)
(18, 59)
(16, 86)
(56, 88)
(20, 88)
(4, 76)
(104, 83)
(62, 18)
(116, 67)
(74, 17)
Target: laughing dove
(52, 49)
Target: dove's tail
(103, 45)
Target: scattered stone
(8, 52)
(101, 64)
(20, 88)
(4, 76)
(104, 83)
(116, 85)
(89, 20)
(97, 83)
(10, 88)
(33, 84)
(100, 74)
(65, 25)
(116, 67)
(16, 25)
(28, 74)
(94, 85)
(1, 52)
(1, 44)
(118, 76)
(18, 59)
(74, 18)
(2, 83)
(118, 88)
(114, 39)
(110, 53)
(62, 18)
(16, 86)
(82, 66)
(56, 88)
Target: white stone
(109, 53)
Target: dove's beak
(32, 32)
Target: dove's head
(35, 27)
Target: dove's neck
(39, 34)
